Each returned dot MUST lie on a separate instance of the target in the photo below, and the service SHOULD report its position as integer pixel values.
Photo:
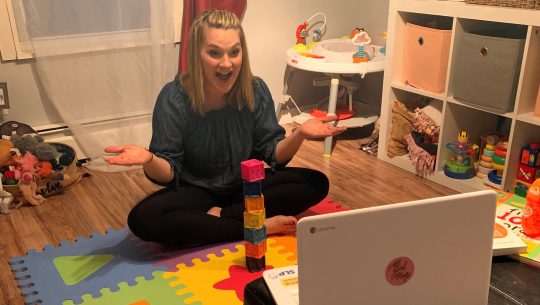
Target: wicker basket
(51, 186)
(530, 4)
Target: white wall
(27, 100)
(270, 29)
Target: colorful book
(509, 211)
(506, 242)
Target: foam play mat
(118, 268)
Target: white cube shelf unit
(521, 125)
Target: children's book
(506, 242)
(509, 211)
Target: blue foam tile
(41, 283)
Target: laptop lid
(432, 251)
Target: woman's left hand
(128, 155)
(316, 128)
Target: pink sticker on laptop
(399, 271)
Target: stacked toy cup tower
(499, 160)
(254, 215)
(486, 160)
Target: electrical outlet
(4, 98)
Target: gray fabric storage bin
(486, 69)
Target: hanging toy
(301, 33)
(360, 39)
(317, 35)
(303, 28)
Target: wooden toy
(255, 235)
(255, 264)
(521, 188)
(252, 188)
(256, 250)
(529, 154)
(254, 219)
(528, 170)
(254, 215)
(252, 170)
(527, 173)
(254, 204)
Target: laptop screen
(432, 251)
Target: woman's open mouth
(224, 76)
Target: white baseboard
(58, 133)
(112, 132)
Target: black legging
(179, 217)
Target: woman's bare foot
(280, 225)
(214, 211)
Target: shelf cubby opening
(486, 64)
(530, 85)
(524, 134)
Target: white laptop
(432, 251)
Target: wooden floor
(103, 200)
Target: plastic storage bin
(487, 69)
(425, 57)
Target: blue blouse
(206, 151)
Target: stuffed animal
(11, 128)
(5, 151)
(27, 183)
(15, 165)
(28, 188)
(6, 198)
(36, 145)
(44, 170)
(29, 164)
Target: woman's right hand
(128, 155)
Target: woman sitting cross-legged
(205, 123)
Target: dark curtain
(194, 7)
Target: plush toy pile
(25, 159)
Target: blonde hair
(241, 94)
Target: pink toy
(30, 163)
(252, 170)
(27, 183)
